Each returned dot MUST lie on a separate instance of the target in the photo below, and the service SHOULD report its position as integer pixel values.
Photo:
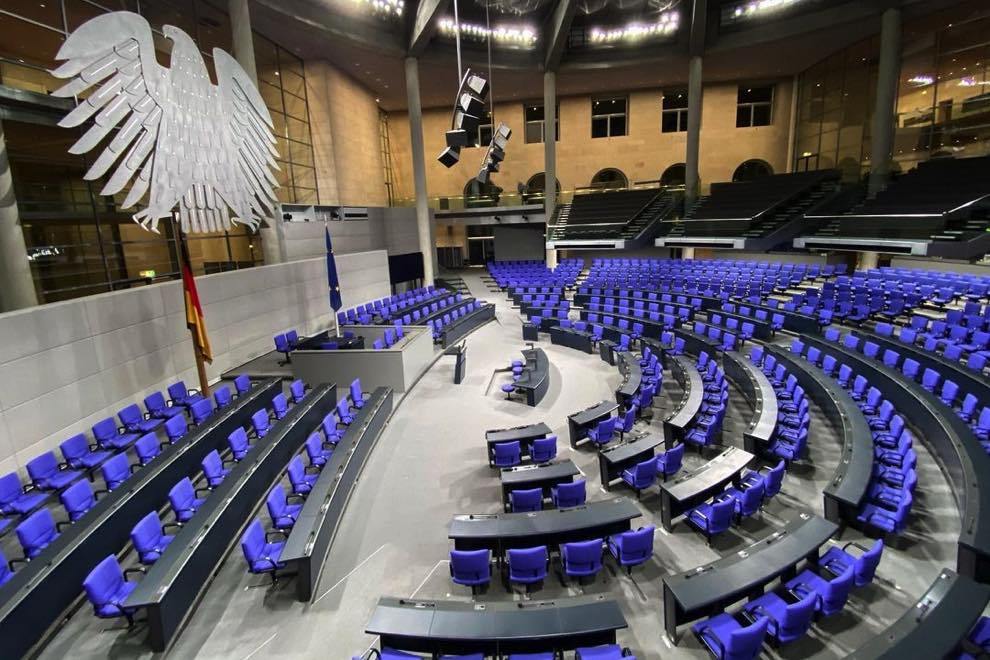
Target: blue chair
(624, 424)
(640, 476)
(976, 645)
(260, 423)
(180, 395)
(79, 455)
(831, 593)
(116, 471)
(183, 499)
(581, 559)
(222, 397)
(837, 560)
(280, 406)
(297, 389)
(344, 412)
(712, 519)
(507, 454)
(282, 346)
(669, 462)
(239, 444)
(242, 384)
(157, 408)
(261, 554)
(727, 639)
(522, 501)
(317, 451)
(201, 411)
(787, 622)
(568, 494)
(283, 512)
(631, 548)
(357, 396)
(528, 566)
(150, 539)
(77, 499)
(772, 480)
(6, 571)
(747, 501)
(133, 421)
(213, 469)
(107, 589)
(147, 448)
(46, 475)
(606, 652)
(302, 478)
(602, 434)
(471, 568)
(543, 450)
(107, 435)
(176, 428)
(36, 532)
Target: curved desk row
(535, 380)
(615, 457)
(689, 379)
(448, 627)
(968, 380)
(709, 589)
(683, 299)
(38, 594)
(962, 458)
(695, 344)
(171, 589)
(692, 487)
(632, 379)
(651, 329)
(456, 330)
(757, 389)
(579, 422)
(312, 534)
(935, 626)
(793, 321)
(584, 299)
(500, 532)
(543, 476)
(524, 435)
(761, 329)
(579, 340)
(847, 487)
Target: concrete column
(242, 41)
(687, 253)
(691, 176)
(550, 154)
(867, 260)
(16, 284)
(792, 124)
(888, 71)
(419, 169)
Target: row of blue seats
(786, 613)
(957, 344)
(790, 439)
(707, 424)
(776, 321)
(727, 340)
(385, 306)
(437, 325)
(890, 494)
(415, 310)
(261, 553)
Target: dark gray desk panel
(501, 531)
(761, 329)
(450, 627)
(173, 586)
(802, 324)
(690, 381)
(315, 528)
(935, 626)
(961, 456)
(632, 378)
(759, 392)
(847, 487)
(520, 433)
(615, 458)
(535, 378)
(576, 339)
(460, 328)
(579, 422)
(689, 489)
(40, 592)
(694, 343)
(700, 591)
(523, 476)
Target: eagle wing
(246, 180)
(116, 54)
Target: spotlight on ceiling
(518, 36)
(468, 108)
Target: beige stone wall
(642, 155)
(344, 122)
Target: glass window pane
(293, 84)
(46, 13)
(306, 196)
(534, 132)
(618, 126)
(295, 106)
(534, 113)
(668, 122)
(272, 96)
(743, 116)
(301, 154)
(266, 60)
(675, 99)
(298, 130)
(599, 127)
(761, 115)
(214, 28)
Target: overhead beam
(424, 25)
(556, 33)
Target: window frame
(752, 106)
(609, 117)
(680, 113)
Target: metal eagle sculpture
(207, 148)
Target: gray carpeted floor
(430, 464)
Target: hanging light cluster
(515, 35)
(384, 7)
(667, 23)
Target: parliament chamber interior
(495, 329)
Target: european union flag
(332, 281)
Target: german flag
(194, 311)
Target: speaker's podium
(531, 331)
(459, 352)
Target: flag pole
(204, 382)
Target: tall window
(754, 106)
(536, 123)
(674, 111)
(483, 136)
(608, 117)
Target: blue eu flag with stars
(332, 280)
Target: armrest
(713, 638)
(700, 515)
(121, 430)
(312, 469)
(28, 488)
(205, 490)
(855, 544)
(94, 446)
(227, 461)
(135, 468)
(166, 526)
(293, 497)
(191, 392)
(147, 415)
(96, 493)
(18, 560)
(63, 466)
(137, 569)
(62, 524)
(275, 532)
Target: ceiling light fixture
(384, 7)
(758, 7)
(921, 81)
(667, 23)
(513, 35)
